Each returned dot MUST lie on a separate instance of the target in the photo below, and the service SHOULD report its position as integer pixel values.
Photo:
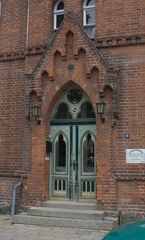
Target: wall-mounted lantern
(36, 111)
(100, 110)
(48, 147)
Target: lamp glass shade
(100, 107)
(35, 111)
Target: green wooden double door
(73, 160)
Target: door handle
(74, 165)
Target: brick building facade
(40, 62)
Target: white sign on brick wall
(135, 155)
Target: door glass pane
(60, 154)
(86, 111)
(62, 112)
(74, 95)
(88, 154)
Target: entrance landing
(10, 231)
(68, 215)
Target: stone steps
(63, 222)
(70, 205)
(66, 214)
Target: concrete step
(23, 218)
(67, 213)
(70, 205)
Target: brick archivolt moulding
(99, 43)
(74, 40)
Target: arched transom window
(73, 105)
(89, 12)
(58, 14)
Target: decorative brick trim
(10, 56)
(71, 15)
(34, 50)
(20, 55)
(99, 43)
(13, 174)
(120, 41)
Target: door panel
(72, 162)
(87, 161)
(60, 153)
(60, 161)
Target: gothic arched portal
(73, 156)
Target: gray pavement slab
(10, 231)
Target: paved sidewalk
(10, 231)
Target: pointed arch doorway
(73, 156)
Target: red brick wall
(40, 21)
(117, 24)
(115, 18)
(13, 122)
(131, 120)
(13, 25)
(131, 195)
